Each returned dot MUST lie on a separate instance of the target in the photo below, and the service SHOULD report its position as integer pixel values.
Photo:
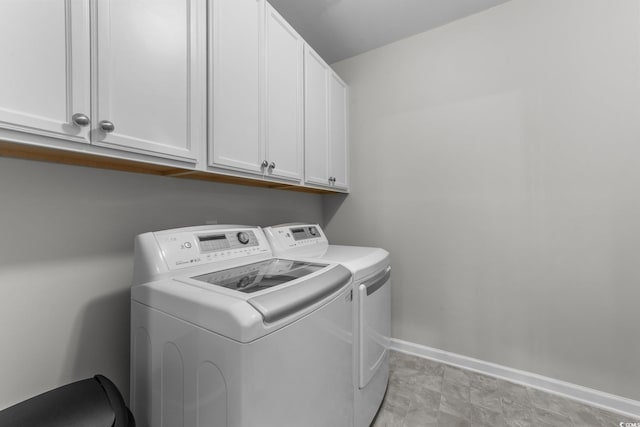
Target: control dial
(313, 231)
(243, 237)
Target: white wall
(66, 242)
(498, 159)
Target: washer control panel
(182, 249)
(212, 242)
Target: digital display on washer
(213, 242)
(210, 238)
(228, 240)
(260, 275)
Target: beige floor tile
(425, 393)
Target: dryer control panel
(296, 237)
(182, 248)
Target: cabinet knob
(265, 163)
(80, 119)
(332, 179)
(272, 165)
(107, 126)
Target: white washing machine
(371, 271)
(223, 334)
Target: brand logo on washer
(623, 424)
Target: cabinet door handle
(107, 126)
(272, 165)
(264, 164)
(80, 119)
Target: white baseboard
(607, 401)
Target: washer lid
(260, 275)
(281, 303)
(244, 317)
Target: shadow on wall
(331, 203)
(101, 335)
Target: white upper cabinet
(235, 92)
(326, 126)
(338, 132)
(44, 77)
(127, 74)
(256, 91)
(284, 108)
(150, 76)
(316, 120)
(173, 82)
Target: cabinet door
(44, 78)
(150, 76)
(236, 36)
(284, 113)
(316, 119)
(338, 131)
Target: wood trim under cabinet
(55, 155)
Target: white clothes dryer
(223, 334)
(371, 271)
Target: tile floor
(429, 394)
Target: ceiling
(339, 29)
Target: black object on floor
(94, 402)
